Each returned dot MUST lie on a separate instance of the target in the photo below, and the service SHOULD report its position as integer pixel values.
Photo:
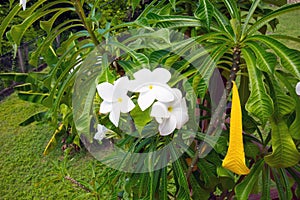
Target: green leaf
(266, 61)
(289, 58)
(204, 12)
(6, 21)
(266, 183)
(172, 21)
(17, 31)
(294, 128)
(244, 188)
(261, 22)
(259, 104)
(17, 77)
(249, 15)
(140, 118)
(37, 117)
(33, 97)
(285, 153)
(233, 9)
(47, 25)
(282, 184)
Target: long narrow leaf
(259, 104)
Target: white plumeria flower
(115, 99)
(298, 88)
(170, 115)
(101, 130)
(151, 86)
(23, 3)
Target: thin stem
(82, 16)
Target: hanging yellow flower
(235, 157)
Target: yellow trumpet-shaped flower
(235, 157)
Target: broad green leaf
(264, 20)
(244, 188)
(208, 172)
(6, 21)
(289, 58)
(259, 104)
(140, 118)
(266, 61)
(283, 103)
(294, 128)
(285, 153)
(204, 12)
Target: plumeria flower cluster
(168, 106)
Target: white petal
(143, 74)
(127, 105)
(298, 88)
(114, 117)
(163, 93)
(105, 91)
(105, 107)
(177, 94)
(101, 128)
(159, 120)
(122, 82)
(23, 3)
(168, 126)
(100, 132)
(181, 114)
(145, 100)
(161, 75)
(120, 88)
(159, 110)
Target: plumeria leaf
(289, 58)
(266, 61)
(294, 128)
(285, 153)
(244, 188)
(259, 104)
(140, 118)
(205, 12)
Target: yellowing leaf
(235, 157)
(52, 142)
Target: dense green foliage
(240, 48)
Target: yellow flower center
(150, 87)
(170, 109)
(120, 100)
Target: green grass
(24, 172)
